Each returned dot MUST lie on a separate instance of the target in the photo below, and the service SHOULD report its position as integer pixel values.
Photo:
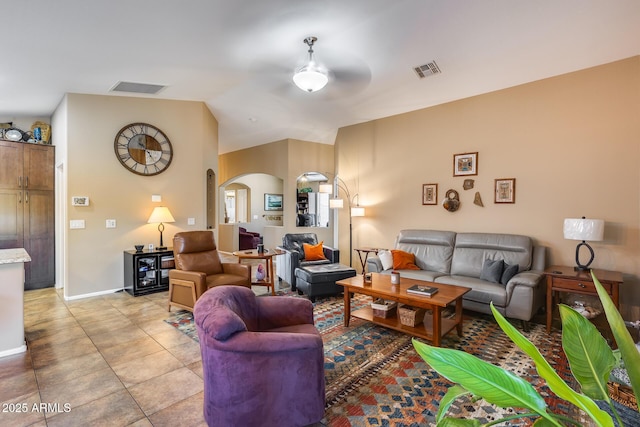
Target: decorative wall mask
(451, 201)
(478, 200)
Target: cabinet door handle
(20, 182)
(20, 197)
(582, 286)
(26, 182)
(26, 197)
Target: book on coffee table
(426, 291)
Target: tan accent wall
(94, 255)
(572, 142)
(286, 159)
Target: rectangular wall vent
(137, 88)
(427, 70)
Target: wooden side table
(267, 255)
(565, 279)
(366, 251)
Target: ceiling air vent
(427, 70)
(137, 88)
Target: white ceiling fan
(311, 77)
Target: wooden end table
(267, 255)
(433, 327)
(565, 279)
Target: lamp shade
(357, 211)
(160, 214)
(325, 188)
(583, 229)
(336, 203)
(310, 78)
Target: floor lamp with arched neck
(337, 203)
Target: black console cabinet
(146, 272)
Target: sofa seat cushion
(316, 262)
(226, 279)
(481, 290)
(426, 275)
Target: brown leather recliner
(198, 268)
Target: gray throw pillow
(492, 270)
(508, 273)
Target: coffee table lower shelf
(423, 330)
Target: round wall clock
(143, 149)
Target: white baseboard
(93, 294)
(12, 351)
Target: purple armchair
(262, 359)
(248, 239)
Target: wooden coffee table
(433, 328)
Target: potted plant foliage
(589, 356)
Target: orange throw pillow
(403, 260)
(313, 252)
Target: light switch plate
(76, 224)
(191, 221)
(111, 223)
(156, 198)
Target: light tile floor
(111, 360)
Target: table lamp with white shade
(583, 229)
(160, 214)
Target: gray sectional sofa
(458, 258)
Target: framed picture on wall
(272, 202)
(429, 194)
(465, 164)
(505, 190)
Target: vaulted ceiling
(238, 56)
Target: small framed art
(465, 164)
(505, 190)
(429, 194)
(272, 202)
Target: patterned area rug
(374, 377)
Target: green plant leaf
(627, 347)
(458, 422)
(494, 384)
(555, 383)
(452, 394)
(589, 356)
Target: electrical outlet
(111, 223)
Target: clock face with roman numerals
(143, 149)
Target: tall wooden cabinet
(27, 203)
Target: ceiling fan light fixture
(310, 77)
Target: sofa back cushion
(433, 249)
(472, 249)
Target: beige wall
(286, 159)
(572, 142)
(94, 260)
